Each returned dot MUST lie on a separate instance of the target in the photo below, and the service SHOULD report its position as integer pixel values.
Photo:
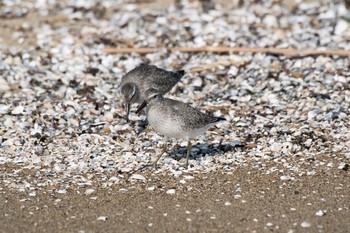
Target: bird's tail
(181, 72)
(218, 119)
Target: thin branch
(215, 108)
(212, 49)
(130, 50)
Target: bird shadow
(178, 152)
(200, 150)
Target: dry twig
(278, 51)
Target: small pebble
(4, 109)
(17, 110)
(89, 191)
(109, 117)
(102, 218)
(320, 213)
(170, 191)
(305, 224)
(32, 194)
(61, 191)
(137, 177)
(343, 166)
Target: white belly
(172, 126)
(165, 125)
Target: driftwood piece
(212, 49)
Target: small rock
(343, 166)
(102, 218)
(305, 224)
(313, 113)
(8, 122)
(276, 147)
(17, 110)
(187, 177)
(311, 173)
(330, 116)
(32, 194)
(4, 87)
(35, 159)
(40, 150)
(89, 191)
(62, 191)
(171, 191)
(270, 21)
(197, 82)
(137, 177)
(341, 27)
(320, 213)
(67, 40)
(114, 179)
(4, 109)
(233, 71)
(286, 178)
(308, 142)
(109, 117)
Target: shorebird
(175, 119)
(143, 77)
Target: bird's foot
(185, 165)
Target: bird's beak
(127, 106)
(142, 106)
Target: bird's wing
(137, 74)
(190, 114)
(162, 79)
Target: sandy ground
(247, 200)
(244, 201)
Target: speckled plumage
(147, 76)
(176, 119)
(137, 81)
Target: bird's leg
(165, 147)
(144, 123)
(127, 106)
(189, 147)
(145, 128)
(175, 148)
